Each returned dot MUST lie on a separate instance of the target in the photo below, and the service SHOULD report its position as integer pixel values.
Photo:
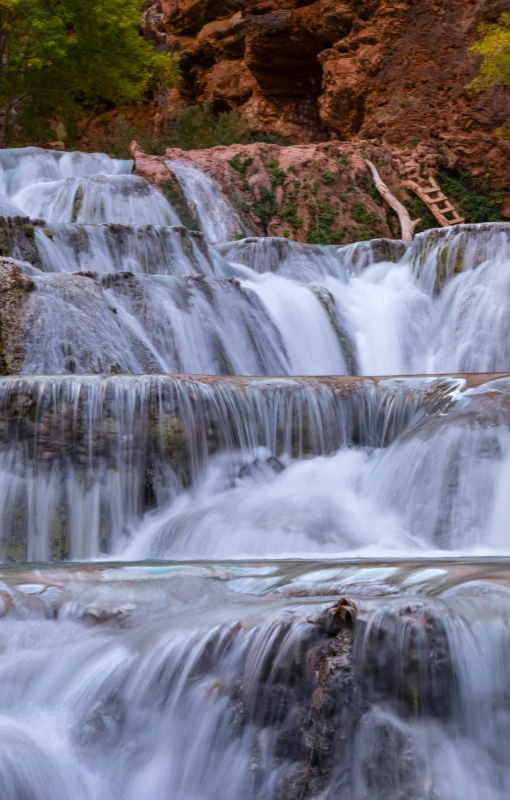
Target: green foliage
(193, 128)
(242, 165)
(116, 138)
(64, 58)
(198, 128)
(366, 182)
(368, 222)
(479, 203)
(418, 210)
(265, 208)
(176, 198)
(327, 177)
(494, 48)
(322, 231)
(277, 175)
(289, 212)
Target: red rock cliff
(387, 70)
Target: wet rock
(98, 613)
(103, 726)
(14, 291)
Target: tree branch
(407, 225)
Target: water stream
(290, 587)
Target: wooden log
(407, 225)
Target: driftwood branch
(406, 223)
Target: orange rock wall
(388, 70)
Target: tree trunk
(407, 225)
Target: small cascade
(97, 199)
(300, 262)
(378, 307)
(149, 249)
(217, 218)
(21, 167)
(400, 696)
(220, 326)
(82, 458)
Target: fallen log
(407, 225)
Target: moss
(78, 199)
(418, 210)
(29, 230)
(289, 211)
(5, 241)
(265, 208)
(477, 200)
(327, 177)
(277, 174)
(321, 231)
(366, 182)
(368, 222)
(241, 166)
(177, 199)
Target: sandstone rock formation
(392, 70)
(320, 193)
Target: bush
(198, 128)
(64, 59)
(479, 203)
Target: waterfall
(391, 695)
(217, 218)
(233, 565)
(150, 249)
(98, 453)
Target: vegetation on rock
(478, 201)
(494, 48)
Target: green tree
(494, 47)
(61, 59)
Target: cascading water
(217, 218)
(303, 587)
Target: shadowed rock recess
(234, 564)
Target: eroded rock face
(368, 69)
(319, 193)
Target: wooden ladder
(429, 192)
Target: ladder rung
(446, 210)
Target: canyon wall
(394, 71)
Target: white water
(204, 678)
(217, 218)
